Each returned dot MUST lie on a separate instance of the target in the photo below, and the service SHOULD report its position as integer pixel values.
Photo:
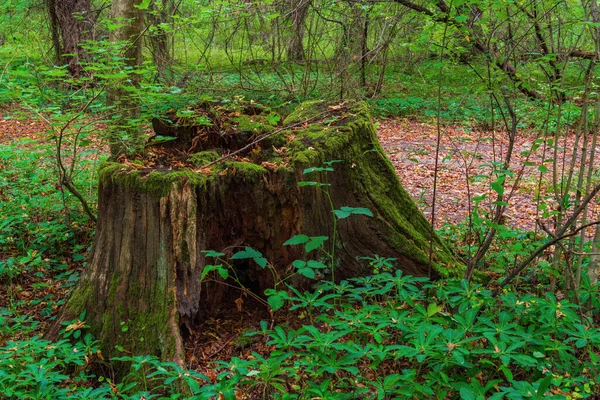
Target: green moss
(350, 135)
(247, 171)
(79, 298)
(108, 169)
(157, 182)
(252, 123)
(305, 158)
(243, 340)
(305, 111)
(204, 157)
(277, 140)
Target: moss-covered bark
(145, 270)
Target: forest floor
(465, 170)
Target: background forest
(488, 110)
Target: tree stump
(154, 223)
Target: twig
(543, 247)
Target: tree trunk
(146, 265)
(594, 267)
(54, 30)
(130, 20)
(70, 22)
(160, 37)
(297, 16)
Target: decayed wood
(148, 256)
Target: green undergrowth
(43, 234)
(378, 337)
(35, 217)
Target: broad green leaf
(276, 299)
(143, 5)
(345, 212)
(433, 309)
(298, 239)
(307, 272)
(316, 264)
(498, 185)
(273, 119)
(212, 253)
(544, 385)
(223, 272)
(315, 242)
(250, 253)
(299, 264)
(467, 394)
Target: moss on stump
(144, 273)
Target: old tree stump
(155, 220)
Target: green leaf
(299, 264)
(467, 394)
(544, 385)
(317, 169)
(143, 5)
(307, 272)
(345, 212)
(498, 185)
(261, 261)
(273, 119)
(304, 183)
(223, 272)
(315, 242)
(316, 264)
(250, 253)
(298, 239)
(331, 162)
(276, 299)
(341, 214)
(433, 309)
(212, 253)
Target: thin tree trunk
(160, 38)
(54, 30)
(594, 267)
(118, 95)
(297, 15)
(70, 20)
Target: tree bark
(54, 29)
(70, 21)
(130, 20)
(146, 264)
(297, 15)
(160, 37)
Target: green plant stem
(334, 236)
